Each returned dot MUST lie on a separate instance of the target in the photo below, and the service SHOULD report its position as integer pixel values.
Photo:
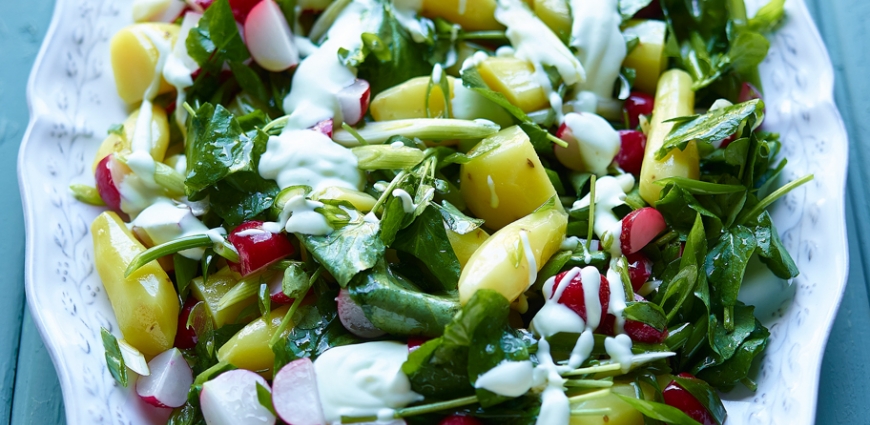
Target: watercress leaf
(724, 342)
(646, 312)
(768, 16)
(698, 187)
(747, 51)
(185, 270)
(679, 208)
(659, 411)
(712, 126)
(395, 305)
(264, 301)
(264, 397)
(296, 281)
(771, 250)
(736, 369)
(426, 239)
(114, 359)
(456, 221)
(185, 415)
(242, 196)
(347, 251)
(249, 81)
(216, 38)
(439, 370)
(705, 394)
(726, 264)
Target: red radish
(295, 396)
(257, 247)
(748, 92)
(639, 228)
(354, 101)
(324, 127)
(638, 104)
(354, 318)
(276, 290)
(231, 399)
(632, 146)
(639, 269)
(652, 11)
(414, 342)
(107, 185)
(460, 420)
(574, 298)
(185, 338)
(269, 38)
(169, 381)
(677, 396)
(641, 332)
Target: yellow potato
(648, 58)
(135, 58)
(501, 264)
(515, 79)
(674, 98)
(471, 15)
(362, 201)
(465, 245)
(507, 182)
(408, 100)
(556, 14)
(621, 413)
(159, 137)
(145, 303)
(212, 290)
(249, 348)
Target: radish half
(169, 382)
(295, 396)
(354, 101)
(231, 399)
(354, 318)
(639, 228)
(269, 39)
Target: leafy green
(646, 312)
(659, 411)
(264, 397)
(295, 282)
(426, 239)
(698, 187)
(394, 304)
(679, 208)
(713, 126)
(737, 368)
(185, 270)
(456, 221)
(186, 415)
(725, 342)
(216, 38)
(768, 16)
(770, 248)
(705, 394)
(114, 359)
(347, 251)
(726, 264)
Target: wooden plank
(37, 392)
(22, 27)
(843, 386)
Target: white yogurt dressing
(531, 262)
(609, 194)
(406, 12)
(363, 379)
(408, 204)
(165, 221)
(300, 216)
(597, 143)
(179, 66)
(309, 158)
(508, 378)
(599, 42)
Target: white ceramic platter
(72, 102)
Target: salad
(449, 212)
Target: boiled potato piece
(213, 289)
(465, 245)
(471, 15)
(621, 413)
(556, 14)
(648, 58)
(117, 144)
(362, 201)
(145, 303)
(674, 98)
(408, 100)
(501, 264)
(507, 182)
(135, 58)
(249, 348)
(515, 79)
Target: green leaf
(249, 81)
(185, 270)
(747, 51)
(712, 126)
(768, 17)
(347, 251)
(264, 301)
(680, 208)
(659, 411)
(116, 129)
(426, 239)
(737, 368)
(296, 281)
(698, 187)
(241, 197)
(264, 396)
(648, 313)
(456, 221)
(724, 342)
(114, 359)
(86, 194)
(393, 304)
(185, 415)
(216, 38)
(705, 394)
(726, 264)
(771, 250)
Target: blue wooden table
(29, 392)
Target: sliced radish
(107, 186)
(638, 104)
(295, 396)
(574, 297)
(642, 332)
(269, 38)
(169, 382)
(748, 92)
(639, 269)
(354, 319)
(257, 247)
(414, 342)
(231, 399)
(675, 395)
(276, 290)
(354, 101)
(632, 146)
(185, 338)
(242, 8)
(324, 127)
(460, 420)
(639, 228)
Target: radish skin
(269, 38)
(295, 396)
(169, 381)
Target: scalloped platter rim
(72, 100)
